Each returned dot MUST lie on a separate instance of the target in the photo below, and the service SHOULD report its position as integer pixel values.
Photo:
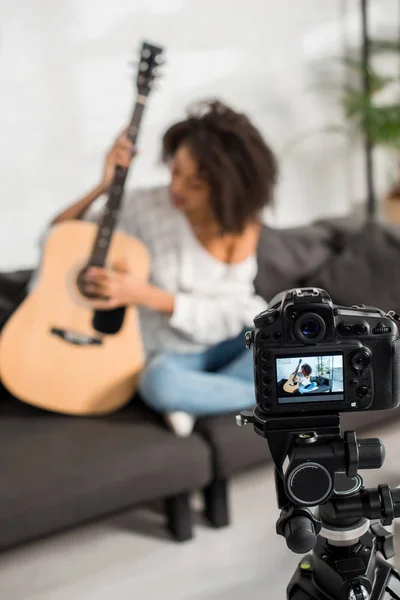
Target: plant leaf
(376, 81)
(378, 45)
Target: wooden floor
(125, 557)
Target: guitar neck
(114, 202)
(297, 370)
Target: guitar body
(42, 358)
(291, 386)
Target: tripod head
(316, 468)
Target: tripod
(344, 563)
(315, 466)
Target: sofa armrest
(13, 287)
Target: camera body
(311, 356)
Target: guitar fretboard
(112, 208)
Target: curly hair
(233, 158)
(306, 369)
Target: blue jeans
(219, 380)
(303, 389)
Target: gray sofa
(59, 471)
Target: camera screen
(315, 378)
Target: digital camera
(313, 356)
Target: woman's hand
(121, 153)
(121, 288)
(114, 288)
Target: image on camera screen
(315, 378)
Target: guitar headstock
(150, 61)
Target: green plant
(323, 371)
(363, 113)
(324, 367)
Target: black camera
(313, 356)
(312, 361)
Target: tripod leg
(300, 595)
(392, 589)
(387, 582)
(301, 586)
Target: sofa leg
(179, 516)
(216, 503)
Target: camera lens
(360, 360)
(310, 328)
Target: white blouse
(214, 301)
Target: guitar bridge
(76, 338)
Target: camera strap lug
(245, 417)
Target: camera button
(272, 315)
(266, 318)
(354, 382)
(266, 392)
(361, 329)
(362, 391)
(277, 335)
(267, 379)
(345, 329)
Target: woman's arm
(77, 210)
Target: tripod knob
(300, 535)
(299, 527)
(371, 453)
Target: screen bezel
(264, 364)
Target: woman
(304, 381)
(202, 235)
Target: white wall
(66, 90)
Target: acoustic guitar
(291, 384)
(56, 351)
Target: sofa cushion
(235, 449)
(286, 257)
(58, 471)
(366, 270)
(12, 291)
